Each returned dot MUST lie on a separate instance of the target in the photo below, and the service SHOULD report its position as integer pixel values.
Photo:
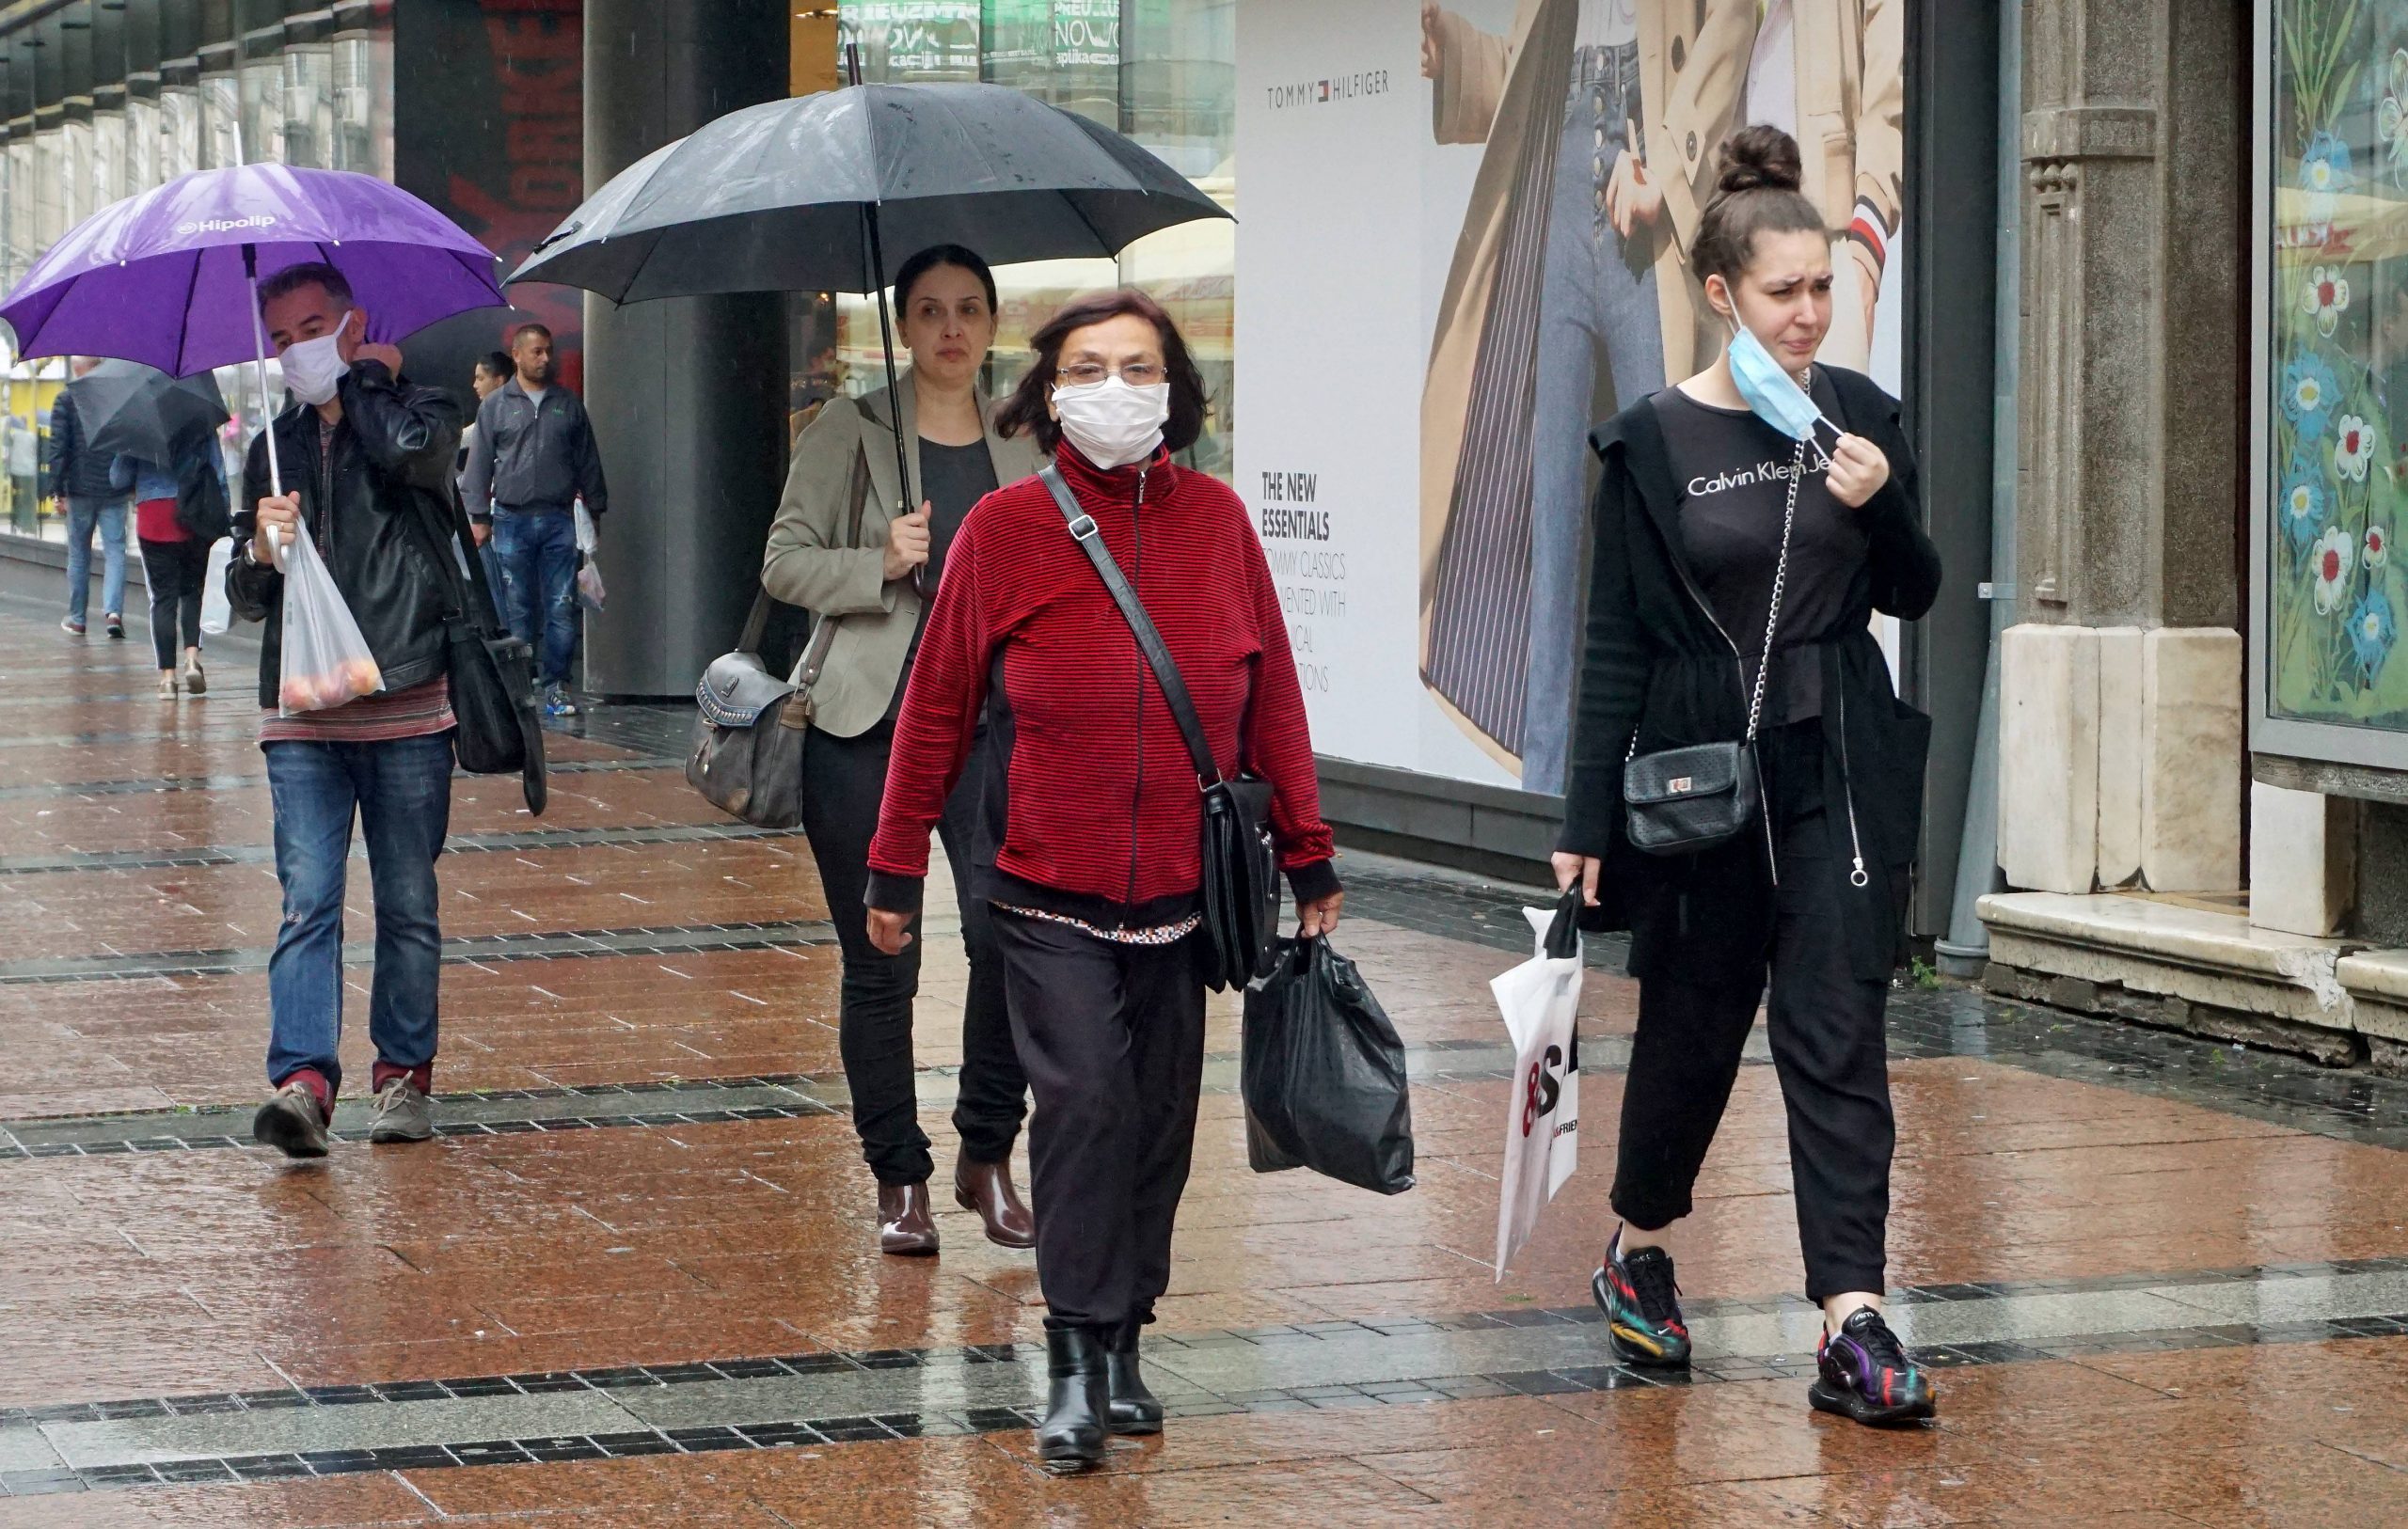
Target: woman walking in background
(1094, 813)
(179, 512)
(839, 550)
(1735, 570)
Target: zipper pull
(1858, 877)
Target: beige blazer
(846, 456)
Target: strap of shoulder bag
(1149, 639)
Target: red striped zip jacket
(1092, 808)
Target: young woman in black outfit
(1687, 547)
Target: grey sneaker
(292, 1123)
(403, 1113)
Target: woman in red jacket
(1088, 848)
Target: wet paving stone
(637, 1271)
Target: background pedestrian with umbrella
(332, 268)
(161, 432)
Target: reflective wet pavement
(633, 1283)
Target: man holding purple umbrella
(366, 460)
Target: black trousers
(1113, 1038)
(841, 782)
(174, 571)
(1828, 1045)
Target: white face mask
(1112, 423)
(314, 368)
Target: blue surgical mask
(1771, 392)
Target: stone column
(2134, 128)
(688, 394)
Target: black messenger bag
(1681, 801)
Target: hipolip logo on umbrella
(227, 225)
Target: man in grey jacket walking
(532, 459)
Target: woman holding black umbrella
(1096, 874)
(840, 549)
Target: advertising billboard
(1464, 232)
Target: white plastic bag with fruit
(325, 660)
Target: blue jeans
(401, 792)
(82, 513)
(1597, 306)
(537, 549)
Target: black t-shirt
(952, 479)
(1733, 473)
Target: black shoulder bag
(1681, 801)
(1241, 889)
(751, 726)
(492, 673)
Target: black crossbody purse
(1241, 888)
(1683, 801)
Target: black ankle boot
(1134, 1408)
(1077, 1399)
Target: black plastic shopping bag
(1323, 1074)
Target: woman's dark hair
(1757, 174)
(935, 256)
(500, 363)
(1025, 409)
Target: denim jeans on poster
(401, 791)
(537, 549)
(1596, 307)
(82, 515)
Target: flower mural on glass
(2324, 174)
(2335, 554)
(2328, 298)
(2373, 631)
(2331, 238)
(2302, 507)
(2303, 502)
(2308, 391)
(2352, 447)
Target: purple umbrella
(169, 277)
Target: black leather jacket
(391, 483)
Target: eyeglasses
(1087, 373)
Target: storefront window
(309, 105)
(108, 157)
(2336, 410)
(50, 186)
(362, 68)
(906, 41)
(1164, 71)
(263, 111)
(76, 164)
(221, 122)
(142, 146)
(180, 132)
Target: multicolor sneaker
(1865, 1373)
(1642, 1306)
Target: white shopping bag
(1540, 1000)
(590, 592)
(588, 537)
(216, 610)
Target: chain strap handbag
(1682, 801)
(749, 725)
(1240, 890)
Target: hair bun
(1756, 157)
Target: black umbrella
(124, 406)
(804, 195)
